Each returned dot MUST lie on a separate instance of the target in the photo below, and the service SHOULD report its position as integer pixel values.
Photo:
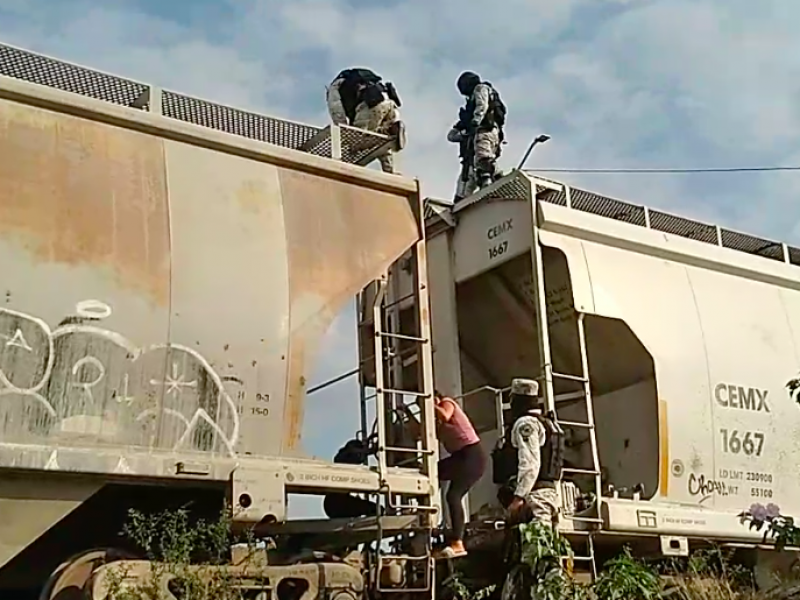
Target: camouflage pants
(379, 119)
(543, 505)
(487, 145)
(484, 163)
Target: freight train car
(663, 344)
(169, 266)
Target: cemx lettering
(741, 398)
(497, 230)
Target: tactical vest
(505, 460)
(372, 95)
(495, 115)
(375, 93)
(348, 91)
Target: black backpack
(498, 108)
(359, 75)
(348, 90)
(505, 461)
(354, 452)
(495, 116)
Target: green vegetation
(706, 575)
(175, 545)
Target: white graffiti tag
(80, 381)
(174, 382)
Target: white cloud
(616, 83)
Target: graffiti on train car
(79, 383)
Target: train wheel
(69, 581)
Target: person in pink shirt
(463, 468)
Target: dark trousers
(463, 469)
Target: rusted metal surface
(107, 98)
(167, 276)
(84, 240)
(338, 237)
(77, 193)
(163, 296)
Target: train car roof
(518, 185)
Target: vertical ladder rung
(576, 424)
(545, 350)
(393, 352)
(403, 393)
(570, 396)
(586, 558)
(579, 378)
(400, 336)
(580, 471)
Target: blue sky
(616, 83)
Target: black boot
(484, 179)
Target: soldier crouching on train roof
(528, 462)
(360, 98)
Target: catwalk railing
(348, 144)
(553, 192)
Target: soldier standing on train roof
(479, 131)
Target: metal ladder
(394, 352)
(589, 425)
(553, 401)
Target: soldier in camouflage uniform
(358, 97)
(482, 120)
(535, 491)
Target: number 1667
(497, 250)
(736, 442)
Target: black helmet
(467, 82)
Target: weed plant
(184, 559)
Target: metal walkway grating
(752, 244)
(693, 230)
(35, 68)
(636, 214)
(660, 221)
(235, 121)
(357, 146)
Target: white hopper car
(691, 334)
